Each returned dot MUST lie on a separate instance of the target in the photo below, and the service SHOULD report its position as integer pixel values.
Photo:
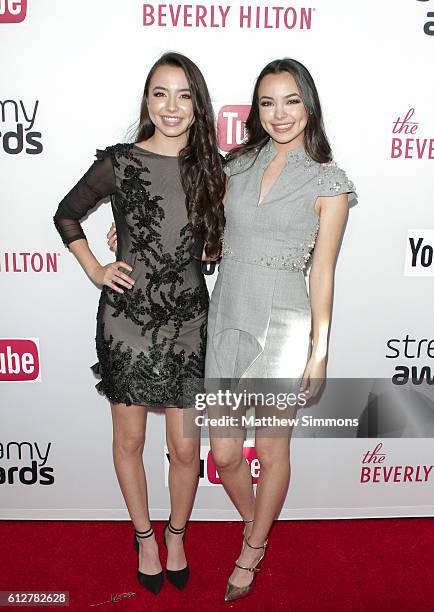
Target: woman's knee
(128, 443)
(129, 428)
(184, 452)
(227, 455)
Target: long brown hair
(200, 164)
(315, 140)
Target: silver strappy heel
(236, 592)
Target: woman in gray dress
(286, 206)
(166, 191)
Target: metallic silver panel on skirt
(259, 323)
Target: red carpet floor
(313, 566)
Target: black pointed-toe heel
(178, 578)
(152, 582)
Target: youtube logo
(13, 11)
(231, 130)
(19, 360)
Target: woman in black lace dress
(166, 192)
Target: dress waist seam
(271, 265)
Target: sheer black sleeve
(98, 182)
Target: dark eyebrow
(287, 96)
(165, 88)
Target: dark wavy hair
(200, 164)
(315, 139)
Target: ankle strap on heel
(173, 529)
(144, 534)
(263, 546)
(253, 568)
(248, 569)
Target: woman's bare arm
(333, 213)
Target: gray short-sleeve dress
(259, 319)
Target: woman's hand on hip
(111, 276)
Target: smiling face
(169, 101)
(281, 109)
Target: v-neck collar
(294, 156)
(268, 152)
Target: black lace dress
(151, 339)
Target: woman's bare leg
(234, 473)
(227, 450)
(129, 429)
(272, 487)
(183, 442)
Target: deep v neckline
(269, 153)
(264, 197)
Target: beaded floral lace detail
(160, 375)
